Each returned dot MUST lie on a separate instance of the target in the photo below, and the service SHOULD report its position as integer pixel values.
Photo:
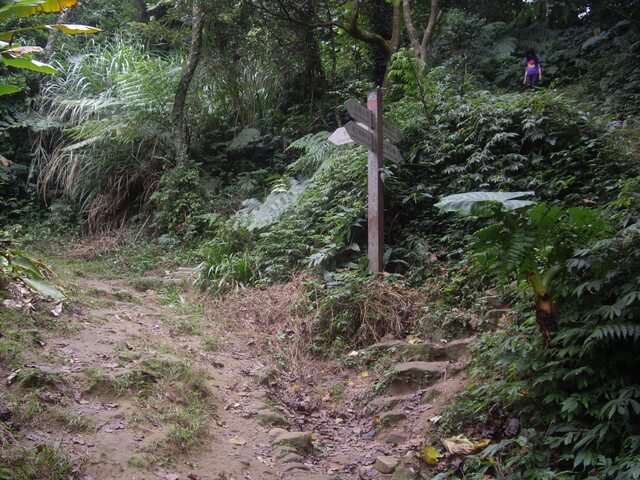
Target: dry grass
(89, 247)
(282, 322)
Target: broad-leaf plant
(14, 54)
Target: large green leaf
(27, 266)
(28, 64)
(8, 89)
(68, 28)
(478, 204)
(26, 8)
(45, 288)
(72, 29)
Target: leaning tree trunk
(195, 50)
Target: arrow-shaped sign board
(359, 134)
(391, 152)
(340, 137)
(362, 114)
(363, 136)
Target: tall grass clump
(104, 129)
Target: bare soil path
(147, 381)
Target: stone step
(184, 273)
(423, 351)
(388, 403)
(411, 376)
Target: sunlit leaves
(26, 8)
(72, 29)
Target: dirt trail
(176, 390)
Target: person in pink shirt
(532, 69)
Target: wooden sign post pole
(375, 190)
(369, 128)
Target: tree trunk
(422, 49)
(142, 15)
(53, 38)
(195, 49)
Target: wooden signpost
(369, 129)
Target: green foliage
(322, 228)
(228, 263)
(20, 265)
(581, 397)
(475, 141)
(180, 200)
(13, 54)
(315, 225)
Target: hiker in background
(532, 69)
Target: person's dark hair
(531, 54)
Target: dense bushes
(578, 399)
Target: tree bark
(195, 50)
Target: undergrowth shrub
(316, 224)
(180, 201)
(325, 227)
(102, 133)
(352, 309)
(227, 261)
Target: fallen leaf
(350, 383)
(166, 475)
(461, 445)
(430, 455)
(364, 374)
(12, 377)
(57, 310)
(353, 353)
(237, 441)
(11, 304)
(413, 340)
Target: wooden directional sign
(362, 114)
(391, 152)
(340, 137)
(360, 134)
(363, 136)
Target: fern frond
(614, 332)
(316, 150)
